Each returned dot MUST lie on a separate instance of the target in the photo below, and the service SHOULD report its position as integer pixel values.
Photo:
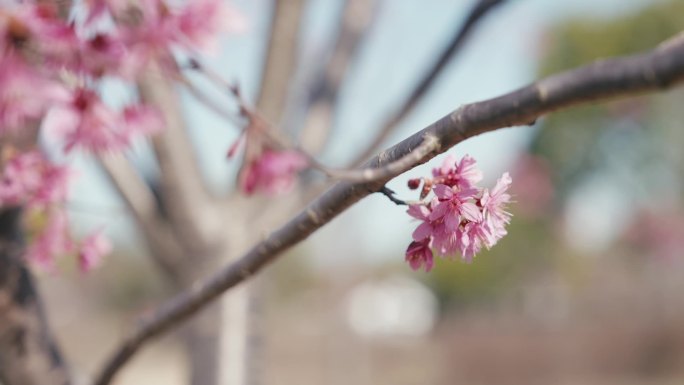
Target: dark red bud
(414, 183)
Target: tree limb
(281, 58)
(655, 70)
(429, 78)
(184, 193)
(322, 98)
(141, 202)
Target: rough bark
(28, 353)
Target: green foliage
(578, 42)
(583, 140)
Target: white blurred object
(390, 307)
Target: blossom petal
(443, 192)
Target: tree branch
(429, 78)
(141, 202)
(655, 70)
(185, 196)
(281, 58)
(322, 98)
(389, 170)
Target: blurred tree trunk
(28, 353)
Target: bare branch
(354, 24)
(132, 188)
(185, 195)
(210, 103)
(388, 170)
(281, 58)
(476, 14)
(139, 199)
(655, 70)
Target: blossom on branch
(93, 249)
(88, 123)
(30, 180)
(51, 73)
(272, 172)
(461, 218)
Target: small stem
(389, 193)
(357, 175)
(209, 103)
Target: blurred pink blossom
(88, 123)
(534, 188)
(25, 94)
(92, 249)
(28, 178)
(272, 172)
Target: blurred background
(585, 289)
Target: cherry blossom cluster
(461, 218)
(31, 181)
(52, 67)
(268, 166)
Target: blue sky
(500, 56)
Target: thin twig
(277, 139)
(389, 193)
(476, 14)
(210, 103)
(655, 70)
(141, 202)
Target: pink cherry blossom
(466, 173)
(461, 218)
(53, 187)
(92, 249)
(106, 54)
(25, 94)
(139, 119)
(447, 166)
(421, 212)
(21, 177)
(454, 206)
(88, 123)
(200, 21)
(472, 238)
(56, 41)
(419, 255)
(463, 174)
(85, 122)
(28, 178)
(494, 207)
(272, 172)
(445, 241)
